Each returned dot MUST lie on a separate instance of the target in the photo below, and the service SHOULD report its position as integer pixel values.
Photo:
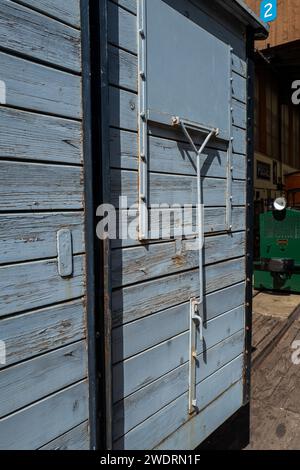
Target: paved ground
(275, 422)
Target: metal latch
(64, 253)
(196, 330)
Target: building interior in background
(277, 119)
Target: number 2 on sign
(268, 10)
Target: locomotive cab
(278, 268)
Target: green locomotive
(279, 265)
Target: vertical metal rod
(201, 220)
(229, 155)
(142, 120)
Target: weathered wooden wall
(152, 283)
(43, 385)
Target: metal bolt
(142, 75)
(143, 116)
(142, 33)
(143, 157)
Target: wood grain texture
(159, 426)
(42, 331)
(124, 105)
(239, 141)
(76, 439)
(131, 375)
(239, 65)
(239, 88)
(40, 88)
(170, 156)
(239, 114)
(281, 32)
(33, 236)
(131, 303)
(37, 284)
(147, 401)
(33, 380)
(122, 68)
(29, 136)
(68, 12)
(174, 189)
(137, 336)
(33, 186)
(214, 221)
(192, 433)
(122, 28)
(149, 261)
(57, 413)
(37, 36)
(130, 5)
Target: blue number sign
(268, 10)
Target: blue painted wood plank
(190, 435)
(239, 65)
(37, 378)
(136, 408)
(122, 68)
(76, 439)
(130, 5)
(37, 36)
(134, 302)
(214, 221)
(157, 428)
(122, 28)
(239, 140)
(174, 189)
(25, 237)
(149, 261)
(132, 374)
(37, 284)
(135, 337)
(33, 186)
(30, 136)
(42, 331)
(239, 114)
(37, 87)
(45, 419)
(239, 88)
(68, 12)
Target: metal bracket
(64, 253)
(196, 326)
